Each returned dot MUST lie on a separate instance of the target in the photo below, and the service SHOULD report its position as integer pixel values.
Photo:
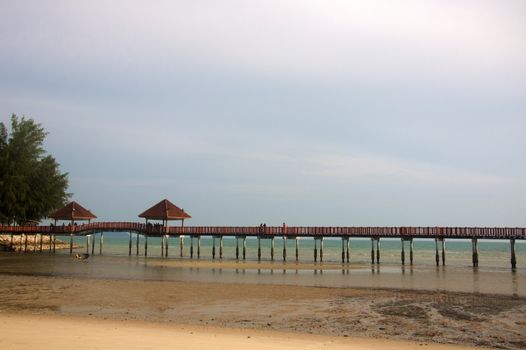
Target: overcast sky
(309, 112)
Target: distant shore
(31, 243)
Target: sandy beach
(336, 313)
(81, 333)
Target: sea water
(491, 253)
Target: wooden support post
(378, 250)
(284, 248)
(343, 250)
(402, 254)
(321, 249)
(372, 250)
(297, 248)
(129, 244)
(181, 238)
(436, 251)
(136, 243)
(475, 255)
(25, 243)
(70, 243)
(41, 243)
(443, 251)
(145, 245)
(315, 249)
(167, 238)
(411, 251)
(50, 243)
(213, 247)
(272, 249)
(101, 244)
(162, 245)
(259, 248)
(11, 244)
(54, 243)
(237, 248)
(191, 247)
(93, 244)
(220, 247)
(512, 251)
(244, 248)
(87, 244)
(348, 248)
(198, 247)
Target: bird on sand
(82, 256)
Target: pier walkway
(406, 234)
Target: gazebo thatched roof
(73, 211)
(165, 210)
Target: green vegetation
(31, 185)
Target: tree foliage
(31, 184)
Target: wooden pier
(405, 234)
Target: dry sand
(53, 332)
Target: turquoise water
(458, 252)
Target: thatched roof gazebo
(164, 211)
(73, 212)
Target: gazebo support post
(191, 247)
(166, 245)
(237, 248)
(145, 245)
(54, 243)
(70, 243)
(220, 247)
(198, 247)
(93, 243)
(181, 245)
(101, 243)
(87, 244)
(41, 238)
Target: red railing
(279, 231)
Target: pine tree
(31, 184)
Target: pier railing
(273, 231)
